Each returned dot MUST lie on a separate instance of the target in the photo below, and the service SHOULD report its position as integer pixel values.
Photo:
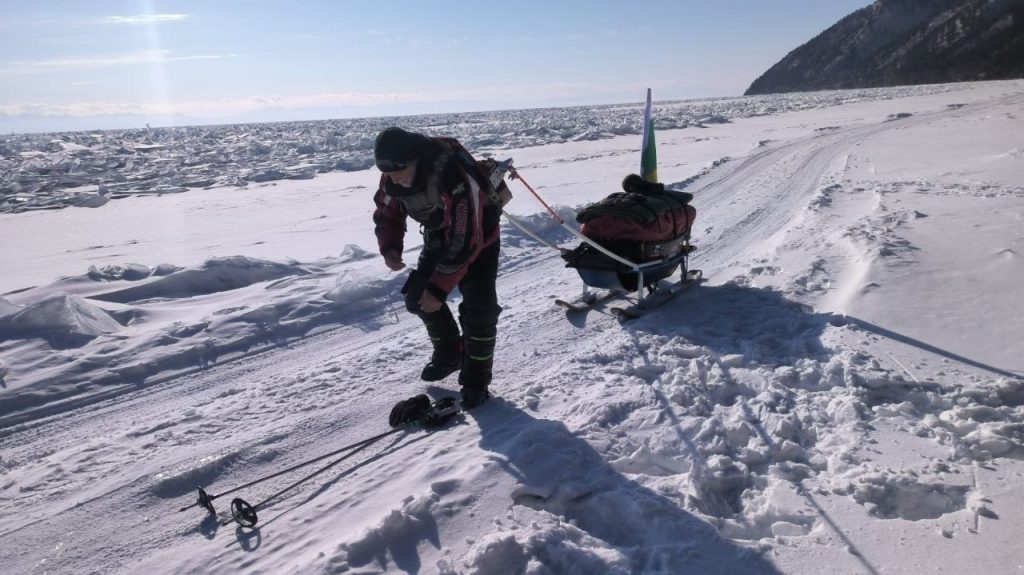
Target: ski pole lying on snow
(415, 411)
(206, 500)
(245, 514)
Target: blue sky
(91, 64)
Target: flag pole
(648, 154)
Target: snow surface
(843, 390)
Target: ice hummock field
(843, 390)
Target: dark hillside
(901, 42)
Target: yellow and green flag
(648, 155)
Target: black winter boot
(472, 396)
(442, 364)
(447, 341)
(478, 314)
(477, 364)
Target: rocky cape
(905, 42)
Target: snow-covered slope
(842, 390)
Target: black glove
(409, 410)
(414, 288)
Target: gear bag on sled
(644, 224)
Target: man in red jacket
(437, 183)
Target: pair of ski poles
(244, 513)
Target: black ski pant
(478, 315)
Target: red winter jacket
(449, 200)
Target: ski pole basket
(243, 513)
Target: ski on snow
(587, 302)
(658, 298)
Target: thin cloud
(232, 106)
(145, 19)
(102, 61)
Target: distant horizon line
(214, 123)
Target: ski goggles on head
(393, 166)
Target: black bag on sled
(643, 223)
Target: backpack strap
(483, 171)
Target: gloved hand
(420, 296)
(428, 302)
(394, 261)
(415, 286)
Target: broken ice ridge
(88, 169)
